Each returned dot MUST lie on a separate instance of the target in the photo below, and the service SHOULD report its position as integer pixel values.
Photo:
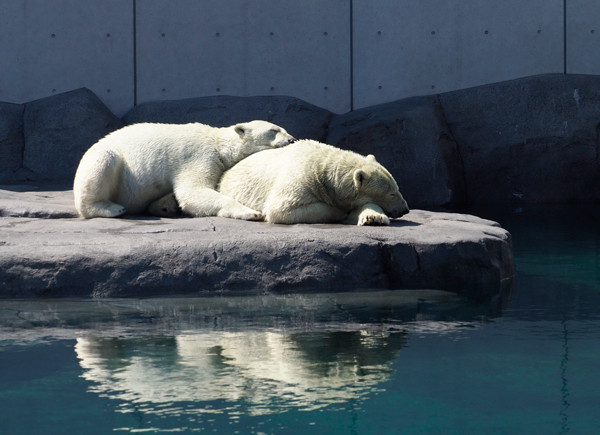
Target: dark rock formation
(11, 141)
(301, 119)
(58, 131)
(532, 140)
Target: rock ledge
(45, 250)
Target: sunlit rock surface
(45, 250)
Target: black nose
(292, 140)
(399, 213)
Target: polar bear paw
(103, 209)
(116, 210)
(249, 215)
(373, 219)
(239, 211)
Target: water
(352, 363)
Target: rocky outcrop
(58, 130)
(301, 119)
(531, 140)
(45, 251)
(11, 141)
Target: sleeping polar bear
(128, 169)
(310, 182)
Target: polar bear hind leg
(204, 201)
(212, 204)
(97, 177)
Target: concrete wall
(337, 54)
(406, 47)
(53, 46)
(233, 47)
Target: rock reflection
(266, 371)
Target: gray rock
(11, 140)
(35, 200)
(408, 137)
(147, 256)
(301, 119)
(530, 140)
(59, 129)
(523, 141)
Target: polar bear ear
(360, 177)
(240, 129)
(371, 158)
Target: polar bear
(311, 182)
(127, 170)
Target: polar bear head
(260, 135)
(374, 184)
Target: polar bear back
(142, 145)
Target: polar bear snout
(285, 142)
(398, 211)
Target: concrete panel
(404, 48)
(583, 36)
(245, 48)
(49, 47)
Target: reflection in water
(261, 369)
(178, 361)
(260, 354)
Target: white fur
(310, 182)
(130, 168)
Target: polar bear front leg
(315, 213)
(368, 214)
(203, 201)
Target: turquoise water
(376, 362)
